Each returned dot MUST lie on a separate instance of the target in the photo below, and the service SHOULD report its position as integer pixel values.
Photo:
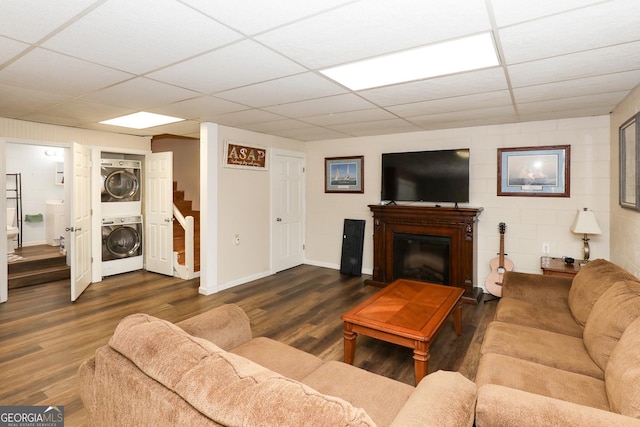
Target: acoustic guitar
(499, 266)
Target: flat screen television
(426, 176)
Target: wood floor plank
(45, 337)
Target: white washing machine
(121, 189)
(121, 245)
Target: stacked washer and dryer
(121, 207)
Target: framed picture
(534, 171)
(245, 156)
(344, 174)
(629, 179)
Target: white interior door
(79, 235)
(287, 182)
(158, 209)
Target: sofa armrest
(504, 406)
(86, 379)
(536, 288)
(226, 326)
(442, 398)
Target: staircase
(35, 270)
(185, 207)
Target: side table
(557, 267)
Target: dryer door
(123, 242)
(120, 185)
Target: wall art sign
(244, 156)
(534, 171)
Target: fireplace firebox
(428, 244)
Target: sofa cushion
(622, 376)
(381, 397)
(227, 388)
(540, 346)
(278, 357)
(590, 283)
(611, 314)
(536, 315)
(544, 380)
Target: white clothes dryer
(121, 187)
(121, 245)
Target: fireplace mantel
(458, 224)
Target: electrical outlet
(237, 239)
(545, 248)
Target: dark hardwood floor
(44, 337)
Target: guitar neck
(501, 258)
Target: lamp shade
(585, 223)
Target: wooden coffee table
(407, 313)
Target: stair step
(38, 276)
(29, 265)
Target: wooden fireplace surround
(458, 224)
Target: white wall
(244, 209)
(625, 223)
(531, 221)
(38, 185)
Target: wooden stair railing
(186, 236)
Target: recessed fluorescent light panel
(141, 120)
(466, 54)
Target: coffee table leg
(420, 360)
(457, 318)
(349, 344)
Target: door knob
(69, 229)
(279, 219)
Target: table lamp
(585, 223)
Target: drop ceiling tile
(48, 71)
(239, 64)
(608, 60)
(488, 80)
(31, 20)
(605, 102)
(76, 113)
(609, 24)
(141, 93)
(327, 105)
(277, 125)
(249, 18)
(199, 108)
(349, 117)
(141, 36)
(458, 103)
(376, 127)
(370, 28)
(10, 48)
(573, 88)
(241, 118)
(281, 91)
(16, 102)
(505, 114)
(508, 12)
(311, 134)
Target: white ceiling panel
(241, 118)
(32, 20)
(624, 81)
(327, 105)
(591, 63)
(563, 34)
(457, 103)
(605, 102)
(508, 12)
(76, 113)
(10, 48)
(141, 93)
(140, 36)
(311, 134)
(489, 80)
(277, 125)
(48, 71)
(229, 67)
(251, 17)
(469, 116)
(373, 27)
(281, 91)
(349, 117)
(16, 102)
(199, 108)
(380, 127)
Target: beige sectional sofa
(208, 370)
(563, 351)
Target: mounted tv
(426, 176)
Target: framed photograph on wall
(534, 171)
(344, 174)
(629, 179)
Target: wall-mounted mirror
(629, 143)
